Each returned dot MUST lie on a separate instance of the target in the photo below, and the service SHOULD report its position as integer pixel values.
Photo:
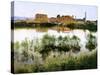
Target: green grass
(85, 61)
(61, 63)
(22, 68)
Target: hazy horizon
(29, 9)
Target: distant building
(65, 19)
(62, 19)
(52, 20)
(41, 18)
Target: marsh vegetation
(51, 53)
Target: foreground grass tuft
(61, 63)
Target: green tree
(58, 16)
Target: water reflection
(21, 34)
(32, 34)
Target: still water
(32, 34)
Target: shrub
(88, 61)
(84, 61)
(48, 44)
(91, 42)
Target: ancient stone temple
(41, 18)
(65, 19)
(62, 19)
(52, 20)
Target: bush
(48, 44)
(88, 61)
(84, 61)
(88, 25)
(91, 42)
(60, 44)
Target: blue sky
(29, 9)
